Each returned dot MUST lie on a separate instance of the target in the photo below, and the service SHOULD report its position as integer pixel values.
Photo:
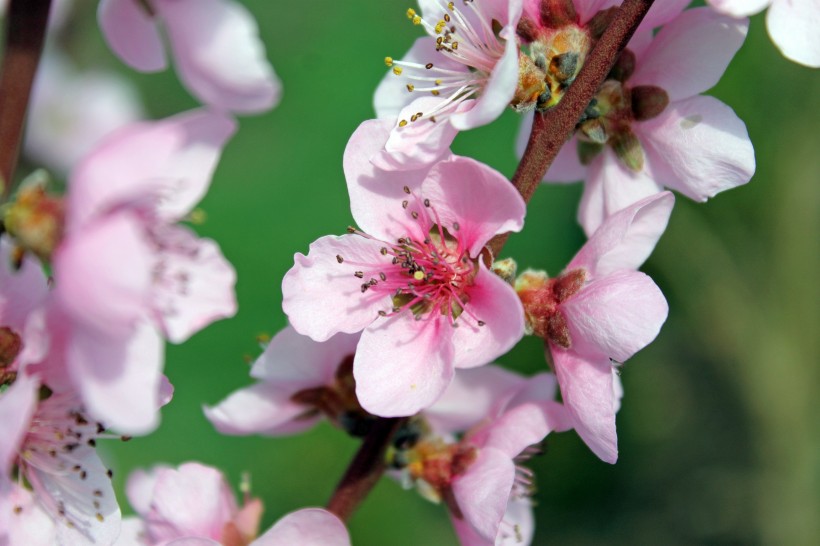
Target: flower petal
(322, 297)
(306, 527)
(17, 405)
(219, 55)
(522, 426)
(260, 409)
(611, 187)
(627, 238)
(494, 302)
(132, 34)
(586, 388)
(699, 147)
(477, 198)
(739, 8)
(615, 315)
(376, 194)
(793, 27)
(699, 34)
(22, 289)
(23, 520)
(166, 165)
(483, 490)
(194, 284)
(403, 365)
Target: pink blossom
(215, 45)
(461, 76)
(51, 443)
(413, 280)
(480, 477)
(194, 506)
(600, 310)
(125, 271)
(299, 382)
(72, 111)
(652, 129)
(792, 25)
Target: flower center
(542, 297)
(463, 35)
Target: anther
(416, 20)
(382, 276)
(415, 215)
(383, 251)
(481, 323)
(456, 226)
(397, 70)
(351, 229)
(447, 17)
(402, 123)
(410, 87)
(100, 517)
(428, 66)
(426, 202)
(339, 258)
(382, 314)
(406, 190)
(388, 61)
(411, 13)
(358, 274)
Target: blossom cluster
(404, 315)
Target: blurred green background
(719, 435)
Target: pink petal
(516, 529)
(293, 361)
(586, 9)
(132, 34)
(17, 405)
(699, 147)
(616, 315)
(611, 187)
(739, 8)
(403, 365)
(522, 426)
(322, 297)
(192, 541)
(260, 409)
(418, 144)
(21, 290)
(478, 198)
(166, 165)
(194, 284)
(494, 302)
(140, 488)
(119, 379)
(193, 500)
(392, 96)
(376, 194)
(219, 55)
(470, 398)
(22, 520)
(132, 532)
(586, 388)
(104, 274)
(661, 13)
(793, 25)
(627, 238)
(500, 89)
(690, 54)
(306, 527)
(483, 490)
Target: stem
(365, 469)
(24, 42)
(553, 128)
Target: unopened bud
(648, 101)
(624, 66)
(506, 269)
(628, 149)
(600, 22)
(594, 130)
(588, 151)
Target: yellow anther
(451, 6)
(416, 20)
(435, 92)
(410, 87)
(402, 123)
(418, 275)
(455, 45)
(411, 13)
(438, 82)
(440, 26)
(388, 61)
(397, 70)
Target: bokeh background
(719, 434)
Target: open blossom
(299, 382)
(51, 444)
(600, 310)
(792, 24)
(125, 272)
(461, 76)
(72, 111)
(215, 45)
(413, 279)
(649, 127)
(499, 416)
(194, 506)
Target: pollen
(397, 70)
(416, 20)
(418, 275)
(411, 13)
(388, 61)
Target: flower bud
(35, 219)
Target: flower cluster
(396, 323)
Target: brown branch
(365, 469)
(553, 128)
(24, 42)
